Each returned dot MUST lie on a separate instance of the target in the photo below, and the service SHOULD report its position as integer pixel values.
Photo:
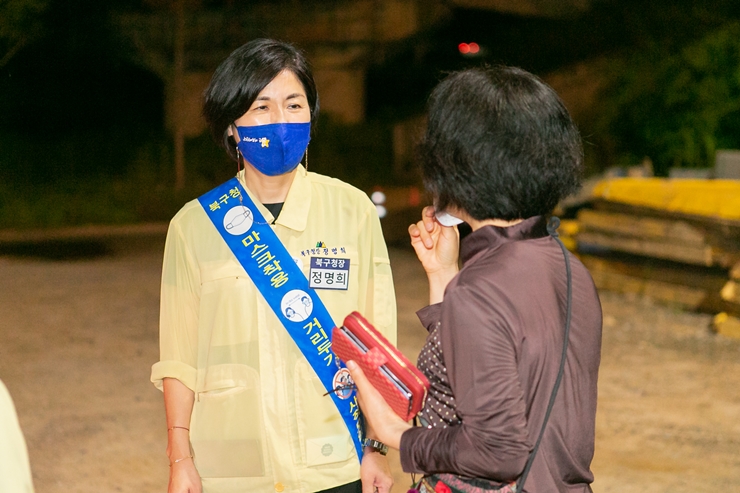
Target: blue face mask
(276, 148)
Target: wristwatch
(379, 447)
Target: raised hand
(437, 248)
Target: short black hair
(238, 80)
(499, 144)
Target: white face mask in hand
(447, 219)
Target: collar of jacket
(489, 237)
(294, 214)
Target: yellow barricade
(714, 198)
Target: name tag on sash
(329, 273)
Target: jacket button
(279, 487)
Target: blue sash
(285, 288)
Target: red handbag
(400, 383)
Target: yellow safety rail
(715, 198)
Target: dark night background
(82, 125)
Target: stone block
(727, 164)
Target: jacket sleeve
(15, 469)
(379, 297)
(178, 315)
(479, 351)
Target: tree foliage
(20, 23)
(676, 107)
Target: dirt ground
(78, 338)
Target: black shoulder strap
(552, 227)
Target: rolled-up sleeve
(479, 353)
(178, 318)
(430, 315)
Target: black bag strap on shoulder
(552, 227)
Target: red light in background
(414, 197)
(469, 48)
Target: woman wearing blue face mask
(255, 272)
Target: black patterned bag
(451, 483)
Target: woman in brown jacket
(499, 152)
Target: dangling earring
(233, 137)
(306, 158)
(239, 158)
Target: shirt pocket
(226, 311)
(322, 435)
(226, 425)
(221, 274)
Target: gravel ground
(78, 337)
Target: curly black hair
(499, 144)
